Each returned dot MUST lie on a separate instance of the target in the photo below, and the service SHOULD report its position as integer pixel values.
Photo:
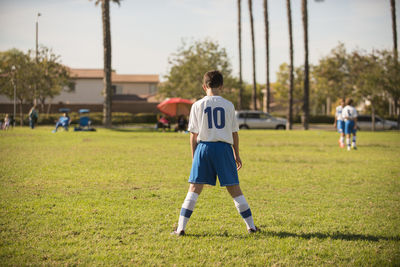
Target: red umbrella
(175, 106)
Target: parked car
(364, 122)
(249, 119)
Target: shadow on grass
(139, 130)
(336, 235)
(284, 234)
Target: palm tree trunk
(254, 94)
(240, 103)
(394, 28)
(395, 52)
(290, 108)
(105, 8)
(267, 98)
(306, 106)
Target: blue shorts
(340, 126)
(212, 159)
(349, 127)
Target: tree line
(33, 77)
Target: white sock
(348, 142)
(186, 210)
(244, 210)
(341, 140)
(354, 141)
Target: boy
(349, 114)
(339, 122)
(213, 131)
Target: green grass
(112, 197)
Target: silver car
(364, 122)
(251, 119)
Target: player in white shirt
(339, 122)
(213, 133)
(349, 114)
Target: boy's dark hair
(213, 79)
(349, 101)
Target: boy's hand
(238, 163)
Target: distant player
(339, 122)
(349, 114)
(213, 133)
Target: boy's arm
(235, 136)
(193, 142)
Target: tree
(333, 74)
(107, 91)
(190, 63)
(367, 77)
(240, 103)
(267, 95)
(306, 106)
(17, 69)
(52, 77)
(254, 95)
(290, 107)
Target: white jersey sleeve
(193, 124)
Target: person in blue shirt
(62, 121)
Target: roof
(129, 78)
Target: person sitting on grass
(163, 123)
(214, 143)
(62, 121)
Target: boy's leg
(188, 206)
(242, 206)
(348, 141)
(341, 139)
(354, 141)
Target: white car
(251, 119)
(364, 122)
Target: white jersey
(338, 113)
(213, 119)
(349, 113)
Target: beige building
(131, 93)
(89, 87)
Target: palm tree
(395, 52)
(306, 109)
(267, 98)
(240, 104)
(290, 108)
(107, 91)
(254, 94)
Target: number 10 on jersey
(212, 115)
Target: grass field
(111, 198)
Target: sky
(145, 33)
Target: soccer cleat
(341, 145)
(348, 148)
(252, 231)
(180, 233)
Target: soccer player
(213, 133)
(339, 122)
(349, 114)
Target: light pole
(37, 53)
(15, 93)
(37, 34)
